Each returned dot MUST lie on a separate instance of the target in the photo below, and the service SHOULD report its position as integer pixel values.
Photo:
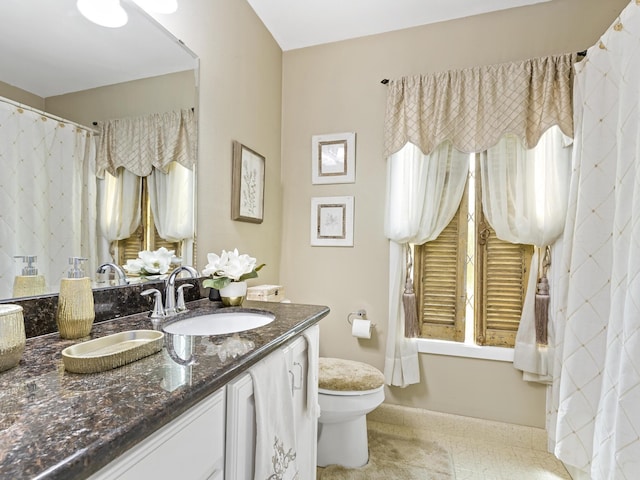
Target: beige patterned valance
(473, 108)
(141, 143)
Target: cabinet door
(241, 429)
(297, 356)
(191, 447)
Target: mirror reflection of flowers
(157, 262)
(229, 267)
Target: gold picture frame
(247, 184)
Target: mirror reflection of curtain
(162, 148)
(47, 191)
(173, 206)
(119, 213)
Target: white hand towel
(311, 336)
(275, 429)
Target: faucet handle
(180, 306)
(157, 314)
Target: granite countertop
(55, 424)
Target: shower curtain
(47, 193)
(594, 405)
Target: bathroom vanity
(154, 415)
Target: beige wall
(21, 96)
(240, 99)
(336, 88)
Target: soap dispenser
(75, 313)
(29, 283)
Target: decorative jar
(12, 336)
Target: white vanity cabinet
(189, 447)
(241, 418)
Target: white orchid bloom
(230, 264)
(134, 267)
(148, 262)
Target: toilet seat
(349, 393)
(337, 376)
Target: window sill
(458, 349)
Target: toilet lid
(337, 374)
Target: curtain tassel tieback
(542, 311)
(411, 327)
(542, 297)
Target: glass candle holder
(12, 336)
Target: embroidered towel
(275, 430)
(313, 409)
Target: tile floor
(479, 449)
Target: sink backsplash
(40, 312)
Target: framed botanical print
(333, 158)
(247, 187)
(332, 221)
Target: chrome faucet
(170, 289)
(121, 276)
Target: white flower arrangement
(229, 267)
(157, 262)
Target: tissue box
(266, 293)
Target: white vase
(233, 294)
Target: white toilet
(347, 391)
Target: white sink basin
(220, 323)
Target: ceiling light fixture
(107, 13)
(158, 6)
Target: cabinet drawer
(190, 447)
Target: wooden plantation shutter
(501, 283)
(499, 274)
(440, 289)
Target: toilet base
(344, 443)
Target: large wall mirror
(60, 66)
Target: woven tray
(112, 351)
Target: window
(470, 285)
(146, 236)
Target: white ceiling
(48, 48)
(303, 23)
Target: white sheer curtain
(423, 194)
(524, 197)
(119, 214)
(594, 406)
(47, 192)
(172, 203)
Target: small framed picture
(247, 187)
(332, 221)
(333, 158)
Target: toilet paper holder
(361, 314)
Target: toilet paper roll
(361, 328)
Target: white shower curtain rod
(48, 115)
